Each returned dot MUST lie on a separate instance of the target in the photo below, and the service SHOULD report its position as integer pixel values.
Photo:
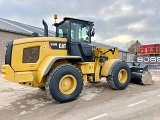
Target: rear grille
(31, 55)
(8, 55)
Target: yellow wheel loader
(61, 64)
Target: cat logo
(62, 45)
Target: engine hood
(38, 39)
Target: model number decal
(58, 45)
(53, 44)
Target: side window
(62, 30)
(79, 32)
(60, 33)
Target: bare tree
(133, 46)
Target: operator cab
(78, 33)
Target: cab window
(79, 32)
(62, 30)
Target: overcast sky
(116, 21)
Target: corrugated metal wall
(126, 56)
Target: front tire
(120, 76)
(64, 83)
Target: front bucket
(147, 78)
(140, 73)
(144, 78)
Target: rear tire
(64, 83)
(120, 76)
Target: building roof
(106, 46)
(20, 28)
(101, 45)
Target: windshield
(62, 30)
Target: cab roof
(75, 19)
(70, 18)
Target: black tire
(113, 80)
(53, 83)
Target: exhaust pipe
(45, 28)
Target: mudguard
(108, 66)
(47, 63)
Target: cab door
(79, 43)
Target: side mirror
(92, 32)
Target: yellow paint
(10, 75)
(122, 76)
(86, 67)
(101, 50)
(85, 79)
(97, 71)
(107, 66)
(39, 39)
(24, 76)
(45, 50)
(67, 84)
(7, 73)
(102, 69)
(52, 61)
(43, 66)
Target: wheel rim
(67, 84)
(122, 76)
